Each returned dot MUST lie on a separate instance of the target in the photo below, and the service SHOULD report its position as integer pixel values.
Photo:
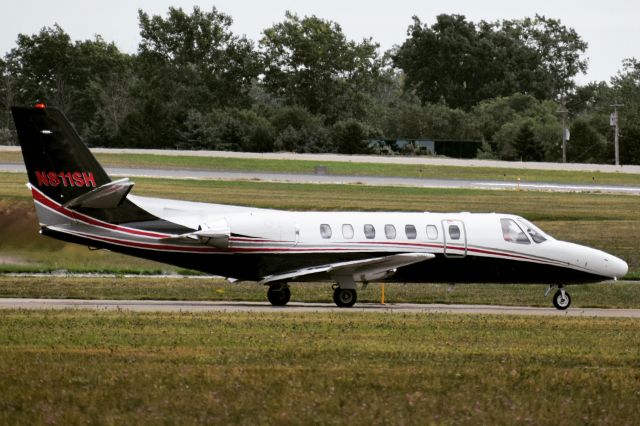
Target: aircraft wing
(355, 270)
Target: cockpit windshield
(533, 231)
(511, 232)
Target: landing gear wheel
(344, 298)
(279, 296)
(561, 300)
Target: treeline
(305, 87)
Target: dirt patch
(18, 220)
(6, 259)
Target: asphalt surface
(376, 159)
(363, 180)
(187, 306)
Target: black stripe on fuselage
(441, 269)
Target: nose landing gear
(561, 299)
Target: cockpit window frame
(536, 234)
(512, 232)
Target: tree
(461, 63)
(526, 146)
(42, 64)
(195, 133)
(112, 97)
(587, 144)
(415, 121)
(558, 48)
(309, 62)
(312, 139)
(50, 67)
(8, 93)
(592, 136)
(626, 90)
(185, 63)
(439, 61)
(206, 61)
(242, 130)
(98, 63)
(499, 122)
(351, 137)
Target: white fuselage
(449, 234)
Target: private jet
(76, 201)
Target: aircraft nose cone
(617, 267)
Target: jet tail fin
(64, 175)
(58, 163)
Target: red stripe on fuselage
(46, 201)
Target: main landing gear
(279, 294)
(561, 300)
(344, 297)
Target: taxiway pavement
(199, 306)
(376, 159)
(362, 180)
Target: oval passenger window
(454, 232)
(432, 232)
(325, 231)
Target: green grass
(75, 367)
(353, 169)
(609, 295)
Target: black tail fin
(65, 175)
(58, 163)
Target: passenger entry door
(455, 238)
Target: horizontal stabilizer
(358, 270)
(107, 196)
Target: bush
(351, 136)
(8, 137)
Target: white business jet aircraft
(77, 202)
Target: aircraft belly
(483, 269)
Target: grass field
(353, 169)
(74, 367)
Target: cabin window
(390, 231)
(410, 232)
(512, 233)
(454, 232)
(369, 231)
(325, 231)
(347, 231)
(432, 232)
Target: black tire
(279, 296)
(344, 298)
(561, 303)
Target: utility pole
(613, 120)
(564, 112)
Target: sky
(609, 27)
